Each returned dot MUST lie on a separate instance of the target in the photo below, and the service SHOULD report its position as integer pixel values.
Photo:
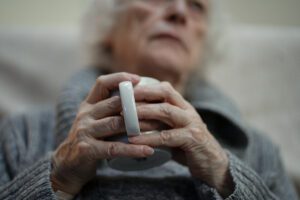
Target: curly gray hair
(100, 17)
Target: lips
(169, 36)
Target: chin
(163, 66)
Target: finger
(107, 107)
(150, 125)
(162, 92)
(111, 126)
(165, 112)
(119, 149)
(106, 83)
(169, 138)
(108, 126)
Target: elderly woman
(58, 154)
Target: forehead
(127, 1)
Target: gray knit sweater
(27, 142)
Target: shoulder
(27, 137)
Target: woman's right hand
(75, 160)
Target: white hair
(100, 17)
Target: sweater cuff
(248, 184)
(204, 191)
(32, 183)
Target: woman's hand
(75, 160)
(193, 145)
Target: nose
(177, 12)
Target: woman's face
(159, 38)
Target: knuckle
(82, 129)
(99, 80)
(83, 112)
(114, 123)
(164, 137)
(113, 103)
(112, 149)
(190, 139)
(124, 75)
(167, 89)
(81, 115)
(194, 135)
(165, 109)
(83, 147)
(167, 86)
(86, 150)
(194, 130)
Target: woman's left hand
(192, 143)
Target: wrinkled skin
(159, 38)
(152, 38)
(75, 160)
(193, 145)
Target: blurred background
(39, 50)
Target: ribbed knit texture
(27, 141)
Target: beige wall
(266, 12)
(41, 12)
(67, 12)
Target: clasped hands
(75, 160)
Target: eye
(197, 5)
(153, 1)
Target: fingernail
(148, 150)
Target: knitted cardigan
(27, 141)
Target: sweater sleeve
(255, 163)
(32, 183)
(17, 179)
(248, 185)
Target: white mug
(161, 154)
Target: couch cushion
(34, 63)
(262, 75)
